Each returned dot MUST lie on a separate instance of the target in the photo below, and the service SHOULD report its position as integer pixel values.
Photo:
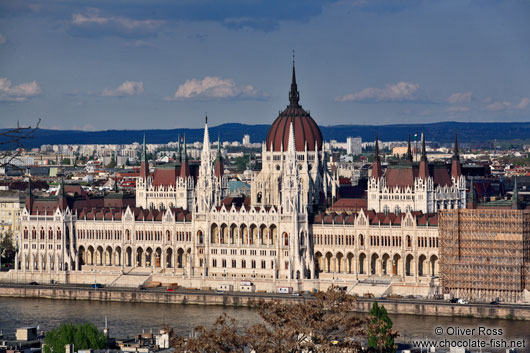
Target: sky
(130, 64)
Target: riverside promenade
(200, 297)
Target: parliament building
(182, 227)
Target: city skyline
(94, 65)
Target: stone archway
(362, 263)
(169, 257)
(139, 257)
(396, 265)
(374, 264)
(409, 265)
(128, 256)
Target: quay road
(474, 307)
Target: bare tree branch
(12, 143)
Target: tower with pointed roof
(416, 186)
(210, 187)
(296, 130)
(409, 151)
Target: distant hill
(440, 132)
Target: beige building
(11, 206)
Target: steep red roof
(305, 128)
(401, 176)
(165, 177)
(349, 204)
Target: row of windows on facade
(42, 246)
(110, 235)
(243, 264)
(329, 239)
(243, 237)
(244, 252)
(42, 234)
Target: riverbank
(239, 299)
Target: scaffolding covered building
(485, 251)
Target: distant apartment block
(354, 145)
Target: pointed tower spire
(377, 172)
(423, 149)
(409, 151)
(219, 165)
(184, 150)
(456, 168)
(144, 151)
(184, 166)
(206, 141)
(62, 196)
(455, 151)
(29, 197)
(179, 151)
(29, 186)
(294, 95)
(144, 166)
(291, 147)
(424, 167)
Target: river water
(128, 319)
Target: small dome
(305, 128)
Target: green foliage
(7, 247)
(380, 333)
(82, 336)
(241, 163)
(112, 163)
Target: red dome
(305, 128)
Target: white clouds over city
(128, 88)
(18, 93)
(93, 23)
(505, 105)
(399, 92)
(459, 98)
(212, 87)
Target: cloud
(505, 105)
(399, 92)
(458, 98)
(128, 88)
(18, 93)
(260, 24)
(141, 44)
(92, 23)
(458, 109)
(212, 87)
(382, 6)
(2, 39)
(523, 103)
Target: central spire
(294, 96)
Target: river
(128, 319)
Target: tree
(12, 143)
(112, 163)
(325, 324)
(7, 247)
(380, 334)
(82, 336)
